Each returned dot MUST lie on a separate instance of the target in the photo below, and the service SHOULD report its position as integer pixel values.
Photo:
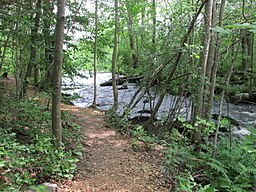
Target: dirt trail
(109, 163)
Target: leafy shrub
(232, 169)
(27, 155)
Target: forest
(128, 95)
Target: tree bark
(18, 79)
(131, 37)
(58, 58)
(4, 51)
(211, 68)
(114, 58)
(205, 63)
(250, 44)
(142, 27)
(244, 64)
(154, 22)
(95, 56)
(48, 43)
(214, 56)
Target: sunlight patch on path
(102, 135)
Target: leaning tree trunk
(114, 58)
(95, 56)
(58, 58)
(175, 65)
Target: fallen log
(122, 80)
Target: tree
(48, 43)
(18, 78)
(58, 58)
(95, 55)
(114, 57)
(202, 103)
(130, 26)
(4, 51)
(175, 65)
(32, 61)
(154, 22)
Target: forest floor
(109, 162)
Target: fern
(219, 167)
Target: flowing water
(245, 114)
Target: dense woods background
(201, 49)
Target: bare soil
(109, 162)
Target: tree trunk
(244, 64)
(142, 27)
(58, 58)
(18, 79)
(131, 36)
(199, 97)
(250, 44)
(4, 51)
(207, 74)
(34, 32)
(154, 22)
(212, 65)
(215, 50)
(114, 58)
(154, 31)
(48, 43)
(95, 55)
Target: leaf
(242, 26)
(2, 163)
(221, 30)
(78, 153)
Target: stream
(244, 114)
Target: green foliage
(138, 135)
(188, 184)
(232, 169)
(27, 155)
(250, 141)
(208, 127)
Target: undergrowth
(27, 155)
(232, 169)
